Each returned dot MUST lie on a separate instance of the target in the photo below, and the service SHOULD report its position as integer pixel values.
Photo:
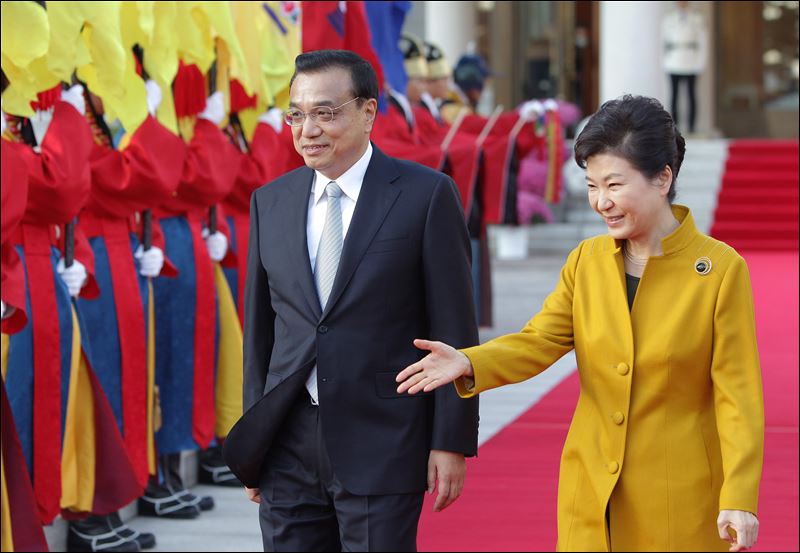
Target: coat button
(623, 369)
(613, 467)
(322, 329)
(618, 417)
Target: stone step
(713, 148)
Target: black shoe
(204, 503)
(170, 467)
(170, 506)
(217, 476)
(213, 470)
(95, 534)
(146, 540)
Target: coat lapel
(296, 241)
(374, 202)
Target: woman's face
(628, 202)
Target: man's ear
(370, 112)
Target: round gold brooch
(702, 266)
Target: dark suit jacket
(404, 274)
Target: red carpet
(757, 206)
(775, 287)
(509, 501)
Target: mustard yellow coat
(669, 426)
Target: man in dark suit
(350, 259)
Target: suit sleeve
(451, 312)
(738, 395)
(546, 338)
(259, 318)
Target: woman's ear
(664, 180)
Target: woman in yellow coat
(665, 448)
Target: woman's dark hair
(638, 129)
(362, 75)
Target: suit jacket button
(322, 329)
(623, 369)
(613, 467)
(618, 417)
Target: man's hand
(217, 245)
(449, 469)
(154, 96)
(73, 276)
(215, 108)
(150, 261)
(74, 97)
(253, 494)
(274, 118)
(743, 523)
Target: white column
(450, 25)
(630, 50)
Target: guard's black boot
(145, 540)
(96, 534)
(160, 500)
(172, 478)
(213, 470)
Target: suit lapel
(374, 202)
(296, 216)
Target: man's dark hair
(638, 129)
(362, 75)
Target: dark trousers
(690, 82)
(305, 508)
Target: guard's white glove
(274, 118)
(150, 261)
(215, 108)
(217, 245)
(2, 121)
(154, 96)
(74, 97)
(744, 523)
(40, 122)
(550, 105)
(2, 309)
(73, 276)
(531, 110)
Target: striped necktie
(328, 254)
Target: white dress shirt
(350, 182)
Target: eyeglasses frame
(313, 118)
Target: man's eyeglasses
(320, 114)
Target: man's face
(331, 147)
(414, 89)
(439, 88)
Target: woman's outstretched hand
(442, 365)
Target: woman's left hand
(745, 524)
